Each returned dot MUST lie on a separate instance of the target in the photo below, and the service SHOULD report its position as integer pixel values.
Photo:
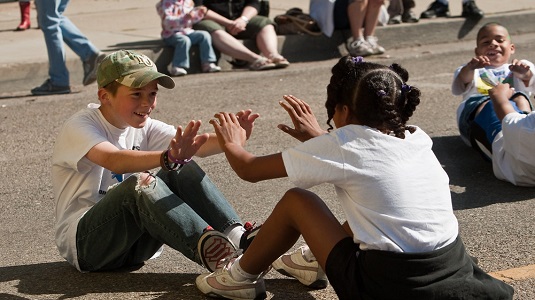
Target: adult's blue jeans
(130, 224)
(57, 29)
(182, 44)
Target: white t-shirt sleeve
(458, 87)
(519, 136)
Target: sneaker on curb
(220, 284)
(436, 9)
(213, 247)
(372, 41)
(248, 235)
(471, 11)
(294, 264)
(359, 48)
(210, 68)
(90, 68)
(47, 88)
(177, 71)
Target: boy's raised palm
(186, 143)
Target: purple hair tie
(357, 59)
(406, 88)
(381, 93)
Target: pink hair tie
(177, 161)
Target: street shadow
(468, 25)
(472, 180)
(65, 282)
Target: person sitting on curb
(112, 212)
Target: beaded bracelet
(177, 161)
(164, 162)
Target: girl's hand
(246, 119)
(305, 123)
(520, 70)
(501, 93)
(228, 129)
(186, 143)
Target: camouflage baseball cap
(131, 69)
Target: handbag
(294, 21)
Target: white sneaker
(210, 68)
(213, 247)
(294, 264)
(372, 41)
(177, 71)
(220, 284)
(360, 47)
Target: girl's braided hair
(375, 94)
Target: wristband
(164, 162)
(245, 19)
(177, 161)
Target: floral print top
(178, 16)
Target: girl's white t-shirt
(394, 192)
(77, 182)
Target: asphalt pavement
(496, 218)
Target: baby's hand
(478, 62)
(186, 143)
(520, 70)
(246, 119)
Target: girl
(400, 240)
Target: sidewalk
(118, 24)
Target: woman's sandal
(262, 64)
(280, 62)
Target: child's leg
(182, 45)
(299, 212)
(522, 102)
(204, 40)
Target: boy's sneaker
(294, 264)
(213, 247)
(359, 48)
(47, 88)
(248, 235)
(220, 284)
(471, 11)
(436, 9)
(90, 68)
(177, 71)
(372, 41)
(210, 68)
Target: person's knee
(144, 179)
(298, 197)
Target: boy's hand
(246, 119)
(305, 123)
(521, 70)
(186, 143)
(478, 62)
(228, 129)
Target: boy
(490, 66)
(111, 212)
(512, 149)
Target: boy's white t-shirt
(78, 183)
(513, 150)
(394, 192)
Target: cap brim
(142, 78)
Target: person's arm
(232, 137)
(466, 75)
(181, 147)
(500, 96)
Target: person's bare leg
(356, 12)
(230, 46)
(299, 212)
(372, 16)
(522, 103)
(266, 40)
